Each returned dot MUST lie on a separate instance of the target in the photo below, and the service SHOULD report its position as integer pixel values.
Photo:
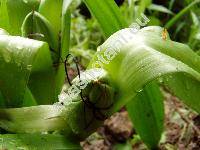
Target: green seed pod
(36, 26)
(87, 112)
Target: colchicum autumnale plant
(35, 35)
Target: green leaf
(36, 142)
(160, 8)
(69, 117)
(4, 21)
(22, 62)
(143, 56)
(171, 22)
(61, 24)
(42, 80)
(195, 19)
(34, 119)
(65, 42)
(186, 88)
(52, 10)
(109, 18)
(17, 11)
(65, 32)
(194, 37)
(147, 113)
(29, 100)
(154, 21)
(143, 4)
(126, 146)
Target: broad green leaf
(22, 62)
(37, 142)
(141, 57)
(33, 119)
(107, 14)
(147, 113)
(185, 88)
(17, 11)
(4, 21)
(52, 10)
(160, 8)
(42, 82)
